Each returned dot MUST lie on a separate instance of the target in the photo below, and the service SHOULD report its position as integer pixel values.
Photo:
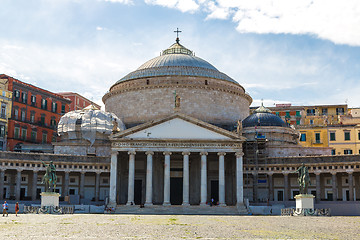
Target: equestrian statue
(50, 177)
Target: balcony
(38, 122)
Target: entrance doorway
(138, 192)
(215, 190)
(22, 193)
(176, 190)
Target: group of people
(6, 208)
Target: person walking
(17, 208)
(5, 209)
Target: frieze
(176, 145)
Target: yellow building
(5, 113)
(313, 136)
(323, 114)
(344, 139)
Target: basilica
(177, 131)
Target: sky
(303, 52)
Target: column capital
(185, 153)
(167, 153)
(350, 171)
(149, 153)
(239, 154)
(285, 173)
(221, 153)
(317, 172)
(35, 170)
(131, 152)
(333, 173)
(114, 152)
(204, 153)
(270, 173)
(82, 172)
(98, 172)
(19, 170)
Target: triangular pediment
(177, 127)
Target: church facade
(177, 131)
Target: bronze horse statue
(50, 177)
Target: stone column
(34, 185)
(186, 185)
(66, 183)
(2, 179)
(131, 183)
(351, 187)
(97, 186)
(222, 179)
(318, 187)
(203, 188)
(239, 178)
(286, 186)
(271, 187)
(82, 184)
(167, 179)
(334, 189)
(18, 185)
(149, 176)
(113, 178)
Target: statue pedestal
(304, 204)
(49, 199)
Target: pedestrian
(17, 208)
(5, 209)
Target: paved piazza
(99, 226)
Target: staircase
(182, 210)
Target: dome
(176, 61)
(89, 121)
(263, 117)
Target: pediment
(177, 127)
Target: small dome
(263, 117)
(88, 122)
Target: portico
(176, 157)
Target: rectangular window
(298, 114)
(16, 132)
(358, 135)
(324, 111)
(297, 122)
(23, 115)
(44, 138)
(17, 95)
(348, 151)
(347, 136)
(32, 117)
(24, 97)
(16, 114)
(33, 100)
(33, 136)
(287, 115)
(54, 107)
(311, 122)
(2, 131)
(333, 152)
(310, 112)
(62, 108)
(3, 110)
(332, 136)
(42, 120)
(317, 137)
(340, 111)
(44, 104)
(23, 134)
(303, 137)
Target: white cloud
(334, 20)
(120, 1)
(182, 5)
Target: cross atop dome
(177, 35)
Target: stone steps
(182, 210)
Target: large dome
(205, 93)
(176, 61)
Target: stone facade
(215, 101)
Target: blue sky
(301, 52)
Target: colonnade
(167, 164)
